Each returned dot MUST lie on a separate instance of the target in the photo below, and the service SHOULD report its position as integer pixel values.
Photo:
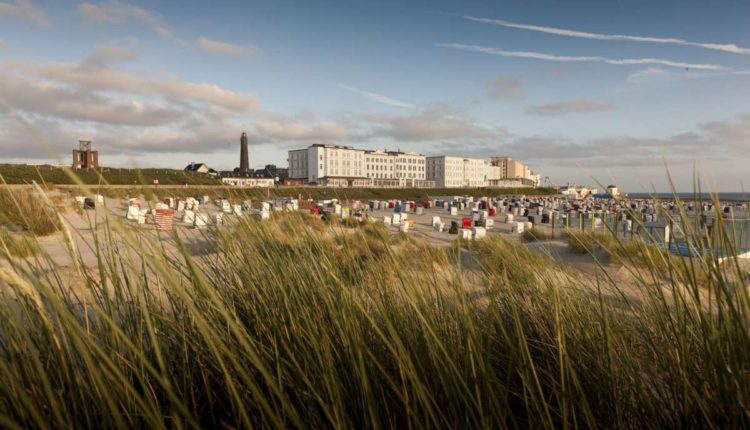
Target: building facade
(297, 162)
(344, 166)
(453, 172)
(329, 165)
(245, 182)
(84, 157)
(396, 169)
(514, 169)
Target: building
(279, 174)
(452, 172)
(329, 165)
(506, 183)
(514, 169)
(199, 168)
(510, 168)
(298, 162)
(577, 192)
(244, 157)
(396, 169)
(84, 157)
(344, 166)
(244, 182)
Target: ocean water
(724, 197)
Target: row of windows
(379, 175)
(405, 160)
(342, 172)
(344, 154)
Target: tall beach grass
(298, 323)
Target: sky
(588, 92)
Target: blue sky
(163, 83)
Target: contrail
(377, 97)
(731, 48)
(565, 58)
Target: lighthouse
(244, 158)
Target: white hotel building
(454, 172)
(344, 166)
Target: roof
(193, 167)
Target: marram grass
(297, 323)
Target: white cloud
(122, 112)
(731, 48)
(98, 78)
(115, 11)
(79, 104)
(377, 97)
(219, 47)
(23, 9)
(281, 128)
(578, 59)
(436, 123)
(107, 55)
(572, 106)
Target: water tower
(84, 157)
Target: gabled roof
(194, 167)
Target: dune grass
(17, 245)
(299, 323)
(28, 210)
(586, 242)
(536, 234)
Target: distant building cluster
(345, 166)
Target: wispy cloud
(579, 59)
(107, 55)
(114, 11)
(648, 74)
(572, 106)
(377, 97)
(220, 47)
(502, 88)
(23, 9)
(732, 48)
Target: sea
(723, 197)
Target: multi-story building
(380, 168)
(396, 169)
(513, 169)
(450, 172)
(344, 166)
(333, 165)
(298, 164)
(329, 165)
